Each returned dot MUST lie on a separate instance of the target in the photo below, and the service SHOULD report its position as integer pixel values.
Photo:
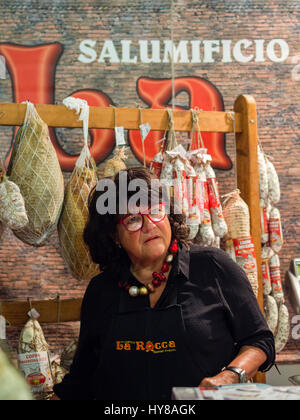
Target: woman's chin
(155, 248)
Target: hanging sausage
(236, 214)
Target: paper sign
(120, 138)
(37, 371)
(2, 67)
(33, 313)
(145, 130)
(2, 328)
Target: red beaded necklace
(157, 277)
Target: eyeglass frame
(121, 221)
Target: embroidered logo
(148, 346)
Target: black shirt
(219, 308)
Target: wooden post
(248, 181)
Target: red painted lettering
(34, 83)
(203, 95)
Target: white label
(2, 67)
(120, 138)
(145, 130)
(36, 369)
(33, 313)
(2, 328)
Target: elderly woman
(162, 313)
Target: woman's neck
(143, 272)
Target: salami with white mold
(283, 330)
(271, 312)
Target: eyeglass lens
(135, 221)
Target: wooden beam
(51, 311)
(13, 114)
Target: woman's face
(149, 243)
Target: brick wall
(41, 272)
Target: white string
(172, 55)
(80, 106)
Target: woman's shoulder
(102, 285)
(215, 260)
(207, 253)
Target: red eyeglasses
(135, 222)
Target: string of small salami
(276, 312)
(192, 184)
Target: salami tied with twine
(12, 207)
(273, 183)
(75, 213)
(263, 176)
(283, 328)
(116, 163)
(275, 230)
(236, 214)
(35, 168)
(271, 312)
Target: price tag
(145, 130)
(2, 67)
(120, 137)
(2, 328)
(33, 313)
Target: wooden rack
(245, 117)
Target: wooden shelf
(51, 311)
(129, 118)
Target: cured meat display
(34, 203)
(276, 311)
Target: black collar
(184, 260)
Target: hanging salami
(193, 217)
(12, 206)
(263, 176)
(271, 312)
(218, 222)
(157, 163)
(275, 230)
(264, 222)
(276, 283)
(273, 182)
(116, 163)
(266, 277)
(283, 329)
(236, 214)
